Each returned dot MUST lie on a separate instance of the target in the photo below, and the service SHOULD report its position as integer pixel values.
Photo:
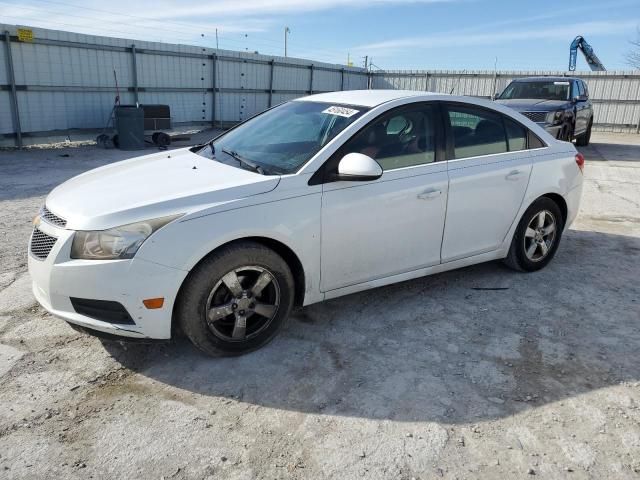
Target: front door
(583, 110)
(392, 225)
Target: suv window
(580, 88)
(586, 90)
(400, 139)
(476, 132)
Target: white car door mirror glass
(358, 167)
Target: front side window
(403, 138)
(546, 90)
(476, 132)
(282, 139)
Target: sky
(394, 34)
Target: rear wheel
(236, 300)
(537, 236)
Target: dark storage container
(157, 117)
(130, 127)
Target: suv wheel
(566, 134)
(236, 300)
(584, 139)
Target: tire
(211, 305)
(523, 256)
(162, 139)
(566, 132)
(568, 136)
(584, 139)
(102, 140)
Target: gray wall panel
(616, 94)
(66, 81)
(6, 120)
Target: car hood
(151, 186)
(532, 104)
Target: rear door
(489, 168)
(375, 229)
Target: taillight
(580, 161)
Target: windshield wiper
(243, 161)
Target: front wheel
(566, 133)
(236, 300)
(537, 236)
(584, 139)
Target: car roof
(365, 98)
(545, 79)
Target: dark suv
(560, 105)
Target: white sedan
(313, 199)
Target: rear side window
(516, 135)
(476, 132)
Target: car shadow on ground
(611, 152)
(462, 346)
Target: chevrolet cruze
(312, 199)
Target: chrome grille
(51, 218)
(41, 244)
(538, 117)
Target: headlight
(115, 243)
(555, 117)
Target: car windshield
(281, 140)
(558, 90)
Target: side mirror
(580, 98)
(496, 96)
(356, 167)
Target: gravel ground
(476, 373)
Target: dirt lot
(431, 378)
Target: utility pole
(287, 31)
(216, 39)
(366, 62)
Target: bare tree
(633, 57)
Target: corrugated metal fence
(615, 94)
(59, 81)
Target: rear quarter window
(516, 135)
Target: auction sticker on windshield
(341, 111)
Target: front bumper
(58, 278)
(554, 130)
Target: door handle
(429, 194)
(514, 175)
